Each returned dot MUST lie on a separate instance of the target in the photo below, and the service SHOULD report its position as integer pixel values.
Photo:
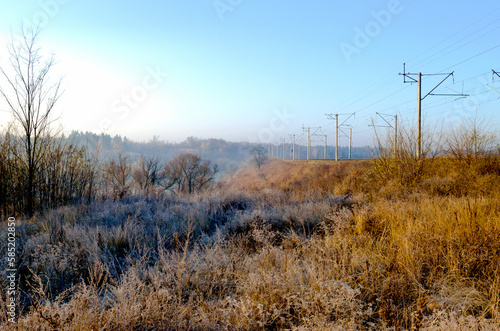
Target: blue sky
(260, 70)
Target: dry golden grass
(289, 250)
(300, 176)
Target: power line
(382, 83)
(342, 107)
(453, 50)
(386, 82)
(331, 117)
(309, 138)
(495, 73)
(472, 57)
(420, 98)
(385, 98)
(455, 34)
(358, 99)
(389, 125)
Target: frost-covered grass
(383, 257)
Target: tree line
(41, 169)
(65, 174)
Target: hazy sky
(258, 70)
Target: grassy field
(359, 245)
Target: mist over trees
(41, 168)
(216, 150)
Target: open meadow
(357, 245)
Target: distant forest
(227, 154)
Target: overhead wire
(472, 57)
(462, 45)
(455, 34)
(430, 48)
(384, 82)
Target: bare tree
(31, 96)
(117, 176)
(189, 173)
(258, 155)
(147, 173)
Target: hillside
(299, 175)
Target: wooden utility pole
(293, 147)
